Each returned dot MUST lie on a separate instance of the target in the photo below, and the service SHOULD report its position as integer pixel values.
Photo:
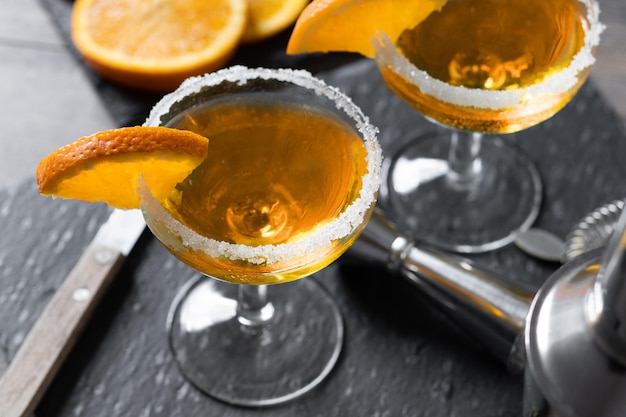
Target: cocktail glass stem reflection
(289, 182)
(253, 307)
(464, 158)
(461, 191)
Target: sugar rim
(344, 225)
(387, 55)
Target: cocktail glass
(478, 67)
(290, 181)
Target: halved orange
(155, 44)
(268, 17)
(107, 165)
(351, 25)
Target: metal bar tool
(569, 337)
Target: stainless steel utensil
(541, 244)
(570, 337)
(576, 337)
(591, 232)
(490, 306)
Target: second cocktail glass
(480, 66)
(290, 181)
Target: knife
(58, 327)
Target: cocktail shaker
(569, 337)
(576, 337)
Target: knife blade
(59, 326)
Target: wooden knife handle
(56, 331)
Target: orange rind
(106, 166)
(351, 25)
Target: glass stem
(253, 306)
(464, 158)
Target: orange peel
(351, 25)
(106, 166)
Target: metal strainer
(593, 230)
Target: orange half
(268, 17)
(153, 44)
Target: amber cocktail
(480, 66)
(289, 183)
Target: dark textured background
(401, 357)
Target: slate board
(401, 356)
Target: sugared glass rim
(343, 226)
(387, 54)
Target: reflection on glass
(207, 306)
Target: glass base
(255, 366)
(425, 202)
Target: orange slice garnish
(107, 165)
(154, 45)
(351, 25)
(268, 17)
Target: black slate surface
(401, 356)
